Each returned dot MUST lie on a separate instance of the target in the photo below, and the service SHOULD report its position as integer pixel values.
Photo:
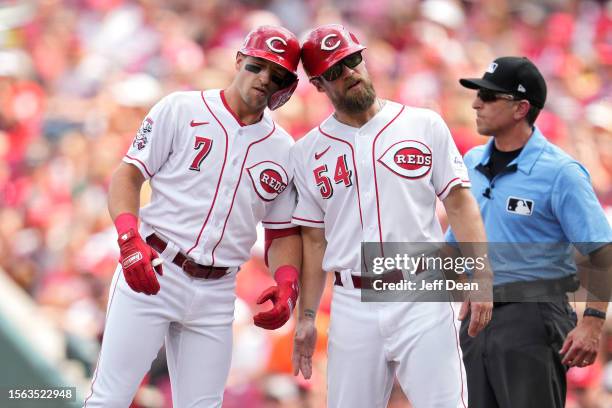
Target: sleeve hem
(139, 164)
(308, 223)
(454, 182)
(277, 224)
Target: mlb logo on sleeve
(521, 206)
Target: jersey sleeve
(449, 170)
(153, 141)
(576, 207)
(279, 212)
(307, 212)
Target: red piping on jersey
(100, 356)
(458, 354)
(238, 185)
(449, 183)
(230, 109)
(212, 205)
(141, 163)
(304, 219)
(375, 179)
(282, 222)
(356, 175)
(240, 122)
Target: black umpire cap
(512, 75)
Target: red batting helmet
(326, 45)
(277, 45)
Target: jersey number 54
(341, 175)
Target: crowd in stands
(77, 78)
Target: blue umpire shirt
(534, 210)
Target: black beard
(359, 102)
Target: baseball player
(218, 165)
(372, 172)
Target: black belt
(537, 290)
(190, 267)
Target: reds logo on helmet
(408, 158)
(270, 43)
(328, 43)
(269, 179)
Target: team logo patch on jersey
(140, 141)
(521, 206)
(269, 179)
(408, 158)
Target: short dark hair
(532, 114)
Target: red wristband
(286, 273)
(126, 221)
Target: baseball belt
(538, 290)
(190, 267)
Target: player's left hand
(304, 344)
(480, 315)
(284, 297)
(582, 344)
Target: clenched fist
(138, 260)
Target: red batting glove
(284, 297)
(137, 259)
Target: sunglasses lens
(333, 72)
(487, 96)
(353, 60)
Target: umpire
(536, 202)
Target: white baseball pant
(370, 343)
(193, 315)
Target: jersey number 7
(203, 145)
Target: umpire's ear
(316, 81)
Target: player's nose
(264, 76)
(347, 72)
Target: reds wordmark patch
(269, 179)
(409, 159)
(140, 141)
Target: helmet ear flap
(280, 97)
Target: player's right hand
(304, 344)
(139, 261)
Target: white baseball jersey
(213, 179)
(377, 183)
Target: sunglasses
(281, 81)
(487, 95)
(335, 71)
